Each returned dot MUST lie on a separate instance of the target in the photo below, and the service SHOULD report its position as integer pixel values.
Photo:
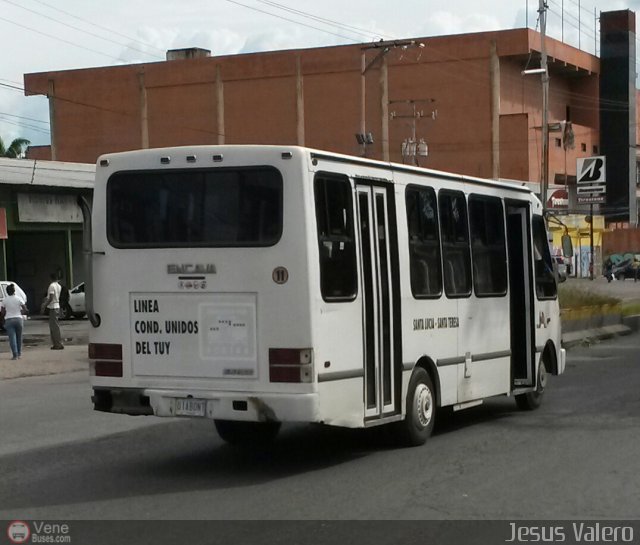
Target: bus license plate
(191, 407)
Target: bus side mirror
(567, 246)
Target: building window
(583, 146)
(595, 150)
(558, 142)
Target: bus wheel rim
(423, 405)
(542, 377)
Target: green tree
(14, 150)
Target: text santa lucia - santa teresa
(579, 531)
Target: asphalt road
(576, 457)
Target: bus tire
(420, 415)
(533, 400)
(242, 433)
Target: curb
(589, 336)
(590, 324)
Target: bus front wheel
(242, 433)
(418, 423)
(533, 400)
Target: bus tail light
(290, 364)
(110, 352)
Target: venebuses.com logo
(35, 531)
(18, 531)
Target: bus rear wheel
(242, 433)
(420, 416)
(533, 400)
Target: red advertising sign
(558, 199)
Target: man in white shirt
(53, 308)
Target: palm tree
(15, 150)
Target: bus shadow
(492, 410)
(188, 456)
(167, 458)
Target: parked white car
(76, 307)
(3, 290)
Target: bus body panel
(202, 323)
(242, 282)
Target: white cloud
(145, 29)
(446, 22)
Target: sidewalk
(38, 359)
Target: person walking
(53, 309)
(12, 309)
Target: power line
(10, 81)
(26, 118)
(12, 87)
(24, 125)
(363, 32)
(77, 28)
(350, 38)
(58, 39)
(93, 23)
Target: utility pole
(544, 182)
(411, 147)
(383, 47)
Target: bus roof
(104, 160)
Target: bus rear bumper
(251, 407)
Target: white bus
(255, 285)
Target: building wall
(314, 96)
(621, 241)
(44, 223)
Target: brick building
(488, 114)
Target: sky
(46, 35)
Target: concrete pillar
(69, 258)
(494, 73)
(144, 112)
(384, 107)
(51, 95)
(220, 105)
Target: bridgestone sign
(591, 179)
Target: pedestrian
(53, 309)
(12, 308)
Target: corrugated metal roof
(47, 173)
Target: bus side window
(486, 220)
(336, 244)
(424, 242)
(455, 243)
(545, 279)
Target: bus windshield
(180, 208)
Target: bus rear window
(216, 207)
